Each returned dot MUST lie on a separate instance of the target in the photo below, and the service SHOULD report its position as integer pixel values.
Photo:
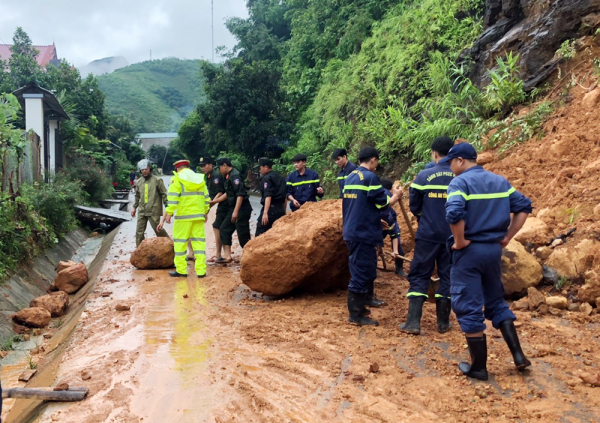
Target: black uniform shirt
(273, 185)
(234, 187)
(216, 183)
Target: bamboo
(74, 393)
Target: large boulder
(520, 270)
(56, 303)
(62, 265)
(534, 231)
(70, 278)
(35, 317)
(304, 250)
(154, 253)
(574, 261)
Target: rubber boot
(177, 275)
(413, 319)
(372, 300)
(478, 349)
(400, 268)
(356, 306)
(509, 333)
(442, 310)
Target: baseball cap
(206, 160)
(264, 161)
(464, 150)
(367, 153)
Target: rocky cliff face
(534, 29)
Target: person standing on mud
(150, 195)
(427, 201)
(216, 190)
(364, 197)
(389, 221)
(340, 156)
(478, 209)
(239, 209)
(273, 192)
(189, 201)
(303, 184)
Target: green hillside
(155, 95)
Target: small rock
(557, 242)
(85, 375)
(543, 252)
(535, 298)
(590, 378)
(485, 158)
(62, 386)
(106, 294)
(27, 375)
(34, 351)
(122, 307)
(186, 296)
(149, 278)
(3, 354)
(522, 304)
(480, 392)
(374, 368)
(358, 378)
(48, 335)
(550, 275)
(20, 330)
(26, 337)
(585, 308)
(558, 302)
(573, 307)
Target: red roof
(47, 53)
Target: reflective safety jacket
(427, 201)
(484, 201)
(343, 174)
(150, 195)
(364, 197)
(303, 187)
(188, 197)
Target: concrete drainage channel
(32, 280)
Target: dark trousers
(363, 266)
(427, 255)
(222, 210)
(242, 226)
(275, 212)
(476, 287)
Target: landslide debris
(56, 303)
(70, 278)
(304, 250)
(154, 253)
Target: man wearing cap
(427, 202)
(150, 195)
(189, 201)
(239, 209)
(478, 209)
(216, 190)
(364, 197)
(340, 156)
(273, 191)
(303, 184)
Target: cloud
(84, 31)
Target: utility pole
(212, 27)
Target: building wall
(149, 142)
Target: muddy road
(210, 350)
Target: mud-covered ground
(209, 350)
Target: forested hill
(155, 95)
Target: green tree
(22, 63)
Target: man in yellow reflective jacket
(188, 200)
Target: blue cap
(464, 150)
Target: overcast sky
(85, 30)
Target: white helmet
(144, 164)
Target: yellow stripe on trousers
(193, 230)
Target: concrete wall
(149, 142)
(34, 119)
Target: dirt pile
(70, 278)
(154, 253)
(56, 303)
(303, 250)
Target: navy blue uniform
(364, 197)
(427, 200)
(429, 165)
(303, 187)
(272, 185)
(484, 201)
(390, 216)
(343, 174)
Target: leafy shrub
(506, 87)
(95, 182)
(567, 50)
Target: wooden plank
(74, 393)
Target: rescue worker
(364, 197)
(239, 209)
(216, 189)
(189, 201)
(427, 201)
(340, 156)
(303, 184)
(478, 209)
(150, 195)
(273, 191)
(389, 220)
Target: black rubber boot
(478, 349)
(372, 300)
(356, 307)
(176, 275)
(413, 319)
(400, 268)
(509, 332)
(442, 309)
